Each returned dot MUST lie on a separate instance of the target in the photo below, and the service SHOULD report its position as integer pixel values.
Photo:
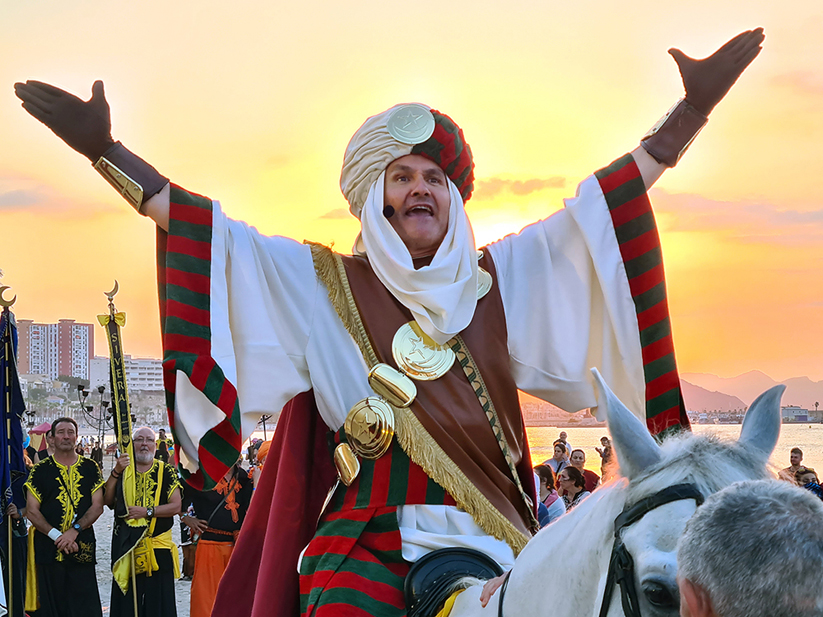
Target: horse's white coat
(562, 571)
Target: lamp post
(101, 429)
(102, 420)
(82, 395)
(263, 420)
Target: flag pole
(7, 304)
(7, 393)
(122, 416)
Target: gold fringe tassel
(427, 453)
(330, 269)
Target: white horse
(563, 570)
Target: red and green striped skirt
(354, 565)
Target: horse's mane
(708, 461)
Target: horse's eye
(659, 595)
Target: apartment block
(62, 348)
(144, 374)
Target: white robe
(275, 334)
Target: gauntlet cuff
(674, 133)
(131, 176)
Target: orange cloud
(336, 214)
(488, 189)
(745, 220)
(807, 83)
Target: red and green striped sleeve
(184, 276)
(639, 243)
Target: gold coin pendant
(418, 355)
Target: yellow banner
(120, 405)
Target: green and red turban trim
(448, 148)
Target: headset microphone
(388, 212)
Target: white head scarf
(441, 296)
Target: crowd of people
(65, 493)
(563, 480)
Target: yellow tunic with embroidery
(153, 488)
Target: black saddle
(431, 579)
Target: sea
(807, 437)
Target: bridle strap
(621, 572)
(503, 593)
(676, 492)
(621, 564)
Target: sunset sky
(252, 103)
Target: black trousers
(68, 590)
(155, 593)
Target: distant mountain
(803, 392)
(705, 391)
(698, 399)
(800, 391)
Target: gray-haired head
(145, 444)
(756, 550)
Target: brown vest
(448, 407)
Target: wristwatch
(77, 527)
(149, 512)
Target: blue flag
(12, 406)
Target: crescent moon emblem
(113, 292)
(3, 301)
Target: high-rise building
(64, 348)
(145, 374)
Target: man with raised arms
(413, 347)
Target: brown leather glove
(84, 125)
(707, 81)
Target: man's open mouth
(420, 209)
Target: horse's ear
(761, 426)
(636, 448)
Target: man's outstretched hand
(707, 81)
(84, 125)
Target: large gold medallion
(484, 282)
(370, 427)
(411, 124)
(418, 355)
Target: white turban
(369, 152)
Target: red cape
(261, 579)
